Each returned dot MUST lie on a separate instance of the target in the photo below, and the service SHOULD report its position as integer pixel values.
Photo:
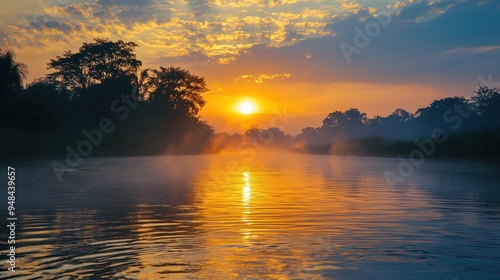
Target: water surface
(273, 216)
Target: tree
(95, 63)
(12, 75)
(396, 125)
(437, 108)
(43, 90)
(351, 123)
(486, 103)
(400, 115)
(351, 118)
(176, 88)
(437, 115)
(271, 137)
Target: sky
(295, 60)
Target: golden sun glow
(246, 107)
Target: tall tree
(486, 102)
(95, 63)
(177, 88)
(438, 107)
(351, 118)
(12, 75)
(400, 115)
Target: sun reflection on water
(247, 194)
(247, 190)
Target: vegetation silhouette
(102, 80)
(12, 75)
(471, 128)
(156, 111)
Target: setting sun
(246, 107)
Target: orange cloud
(262, 77)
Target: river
(269, 216)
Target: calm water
(276, 216)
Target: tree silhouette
(104, 79)
(465, 121)
(400, 115)
(176, 88)
(351, 123)
(12, 75)
(94, 63)
(351, 118)
(438, 107)
(486, 103)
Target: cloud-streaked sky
(281, 53)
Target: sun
(246, 107)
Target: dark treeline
(101, 95)
(464, 128)
(99, 101)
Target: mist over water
(272, 216)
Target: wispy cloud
(245, 38)
(262, 78)
(219, 29)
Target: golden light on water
(247, 191)
(247, 194)
(276, 216)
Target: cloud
(351, 6)
(426, 41)
(262, 78)
(454, 47)
(202, 9)
(425, 10)
(415, 11)
(130, 12)
(219, 29)
(61, 26)
(137, 3)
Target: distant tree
(400, 115)
(94, 63)
(271, 137)
(12, 75)
(397, 125)
(335, 119)
(438, 107)
(351, 118)
(486, 103)
(309, 130)
(308, 133)
(176, 88)
(277, 137)
(252, 134)
(434, 116)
